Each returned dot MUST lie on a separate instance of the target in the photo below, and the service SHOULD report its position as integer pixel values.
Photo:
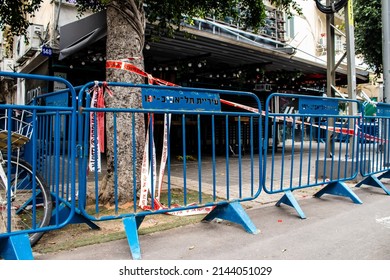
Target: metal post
(351, 68)
(330, 55)
(350, 53)
(386, 49)
(331, 63)
(386, 67)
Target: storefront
(215, 56)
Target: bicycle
(25, 200)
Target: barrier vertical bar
(379, 144)
(199, 159)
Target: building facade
(288, 54)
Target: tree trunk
(7, 92)
(125, 39)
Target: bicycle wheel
(30, 207)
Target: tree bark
(7, 93)
(125, 39)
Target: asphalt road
(335, 229)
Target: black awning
(81, 33)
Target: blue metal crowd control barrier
(57, 134)
(40, 141)
(214, 178)
(375, 148)
(310, 144)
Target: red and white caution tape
(94, 146)
(118, 64)
(164, 154)
(342, 130)
(97, 137)
(149, 164)
(146, 174)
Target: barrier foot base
(340, 189)
(384, 175)
(63, 214)
(289, 199)
(131, 228)
(16, 247)
(375, 182)
(232, 212)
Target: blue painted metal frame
(233, 212)
(66, 204)
(375, 181)
(289, 199)
(309, 109)
(339, 189)
(16, 247)
(16, 244)
(375, 154)
(227, 210)
(131, 224)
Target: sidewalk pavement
(335, 228)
